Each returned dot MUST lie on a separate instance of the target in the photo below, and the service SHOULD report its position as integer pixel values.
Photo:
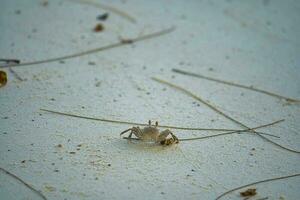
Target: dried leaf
(3, 78)
(248, 193)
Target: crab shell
(150, 134)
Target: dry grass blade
(235, 85)
(254, 183)
(23, 182)
(9, 60)
(221, 134)
(221, 113)
(140, 124)
(110, 46)
(232, 132)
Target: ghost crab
(151, 133)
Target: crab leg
(130, 129)
(137, 132)
(174, 137)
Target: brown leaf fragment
(3, 78)
(99, 27)
(248, 193)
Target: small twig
(23, 182)
(141, 124)
(221, 134)
(107, 7)
(15, 74)
(235, 85)
(220, 112)
(110, 46)
(254, 183)
(10, 60)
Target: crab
(151, 133)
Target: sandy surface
(248, 42)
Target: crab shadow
(138, 145)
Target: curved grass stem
(254, 183)
(235, 85)
(24, 183)
(110, 46)
(142, 124)
(214, 108)
(221, 134)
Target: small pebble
(103, 17)
(98, 28)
